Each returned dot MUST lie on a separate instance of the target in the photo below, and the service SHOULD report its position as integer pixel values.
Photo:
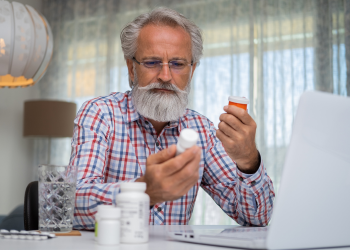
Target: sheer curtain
(267, 50)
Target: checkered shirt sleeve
(248, 199)
(89, 153)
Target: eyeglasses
(176, 66)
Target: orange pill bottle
(237, 101)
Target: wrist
(251, 166)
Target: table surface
(157, 240)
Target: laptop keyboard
(249, 233)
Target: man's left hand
(237, 133)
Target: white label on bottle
(134, 219)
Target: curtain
(270, 51)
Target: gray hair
(164, 16)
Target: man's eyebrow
(151, 58)
(178, 58)
(160, 59)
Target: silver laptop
(312, 209)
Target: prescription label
(134, 219)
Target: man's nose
(164, 73)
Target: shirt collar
(174, 124)
(131, 114)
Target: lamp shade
(49, 118)
(26, 45)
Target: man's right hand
(168, 177)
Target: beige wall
(16, 155)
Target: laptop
(312, 208)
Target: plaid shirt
(112, 141)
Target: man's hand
(237, 134)
(168, 177)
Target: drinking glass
(57, 186)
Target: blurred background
(269, 51)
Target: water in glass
(57, 186)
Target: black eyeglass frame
(141, 63)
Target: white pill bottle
(134, 205)
(108, 225)
(188, 138)
(96, 224)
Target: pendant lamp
(26, 45)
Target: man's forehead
(157, 41)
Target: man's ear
(130, 63)
(193, 69)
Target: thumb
(162, 156)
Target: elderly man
(131, 137)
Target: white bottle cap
(188, 138)
(108, 212)
(237, 99)
(133, 186)
(102, 207)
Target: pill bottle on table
(134, 205)
(108, 225)
(237, 101)
(188, 138)
(99, 207)
(96, 223)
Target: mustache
(167, 86)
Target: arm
(248, 199)
(89, 153)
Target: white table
(158, 240)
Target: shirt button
(253, 183)
(240, 178)
(159, 209)
(157, 144)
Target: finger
(232, 122)
(185, 187)
(226, 141)
(177, 163)
(228, 130)
(186, 177)
(189, 170)
(241, 114)
(162, 156)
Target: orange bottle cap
(237, 99)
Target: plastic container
(237, 101)
(99, 207)
(134, 205)
(96, 224)
(108, 225)
(188, 138)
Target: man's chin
(160, 104)
(163, 91)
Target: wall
(16, 156)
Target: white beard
(161, 107)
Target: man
(132, 136)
